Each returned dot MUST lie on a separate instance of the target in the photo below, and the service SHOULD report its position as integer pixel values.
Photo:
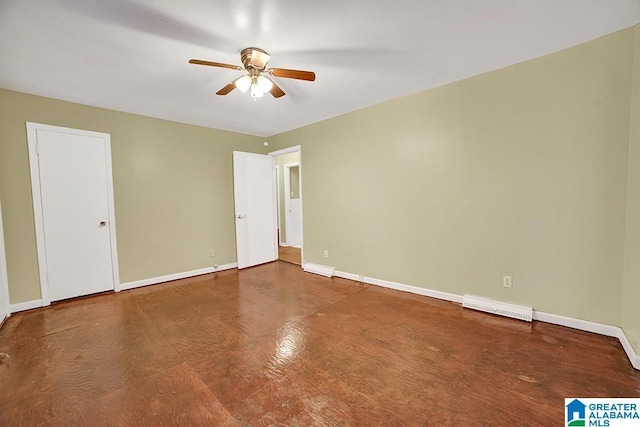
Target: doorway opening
(289, 202)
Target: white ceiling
(131, 55)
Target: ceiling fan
(254, 61)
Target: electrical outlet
(213, 253)
(506, 281)
(326, 253)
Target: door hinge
(37, 148)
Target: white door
(255, 208)
(4, 284)
(75, 204)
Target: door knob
(102, 224)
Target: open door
(255, 208)
(4, 285)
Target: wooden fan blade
(214, 64)
(293, 74)
(276, 91)
(228, 88)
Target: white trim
(414, 289)
(32, 140)
(37, 212)
(348, 276)
(276, 224)
(27, 305)
(634, 358)
(301, 209)
(5, 309)
(176, 276)
(596, 328)
(322, 270)
(115, 266)
(278, 204)
(287, 196)
(295, 148)
(570, 322)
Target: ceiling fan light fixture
(256, 91)
(254, 61)
(243, 83)
(264, 83)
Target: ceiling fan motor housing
(253, 57)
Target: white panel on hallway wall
(294, 235)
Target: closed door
(255, 208)
(75, 212)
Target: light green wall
(631, 282)
(281, 161)
(519, 172)
(172, 183)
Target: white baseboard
(349, 276)
(414, 289)
(322, 270)
(175, 276)
(634, 357)
(27, 305)
(596, 328)
(570, 322)
(583, 325)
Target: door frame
(32, 139)
(279, 213)
(295, 149)
(5, 305)
(287, 195)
